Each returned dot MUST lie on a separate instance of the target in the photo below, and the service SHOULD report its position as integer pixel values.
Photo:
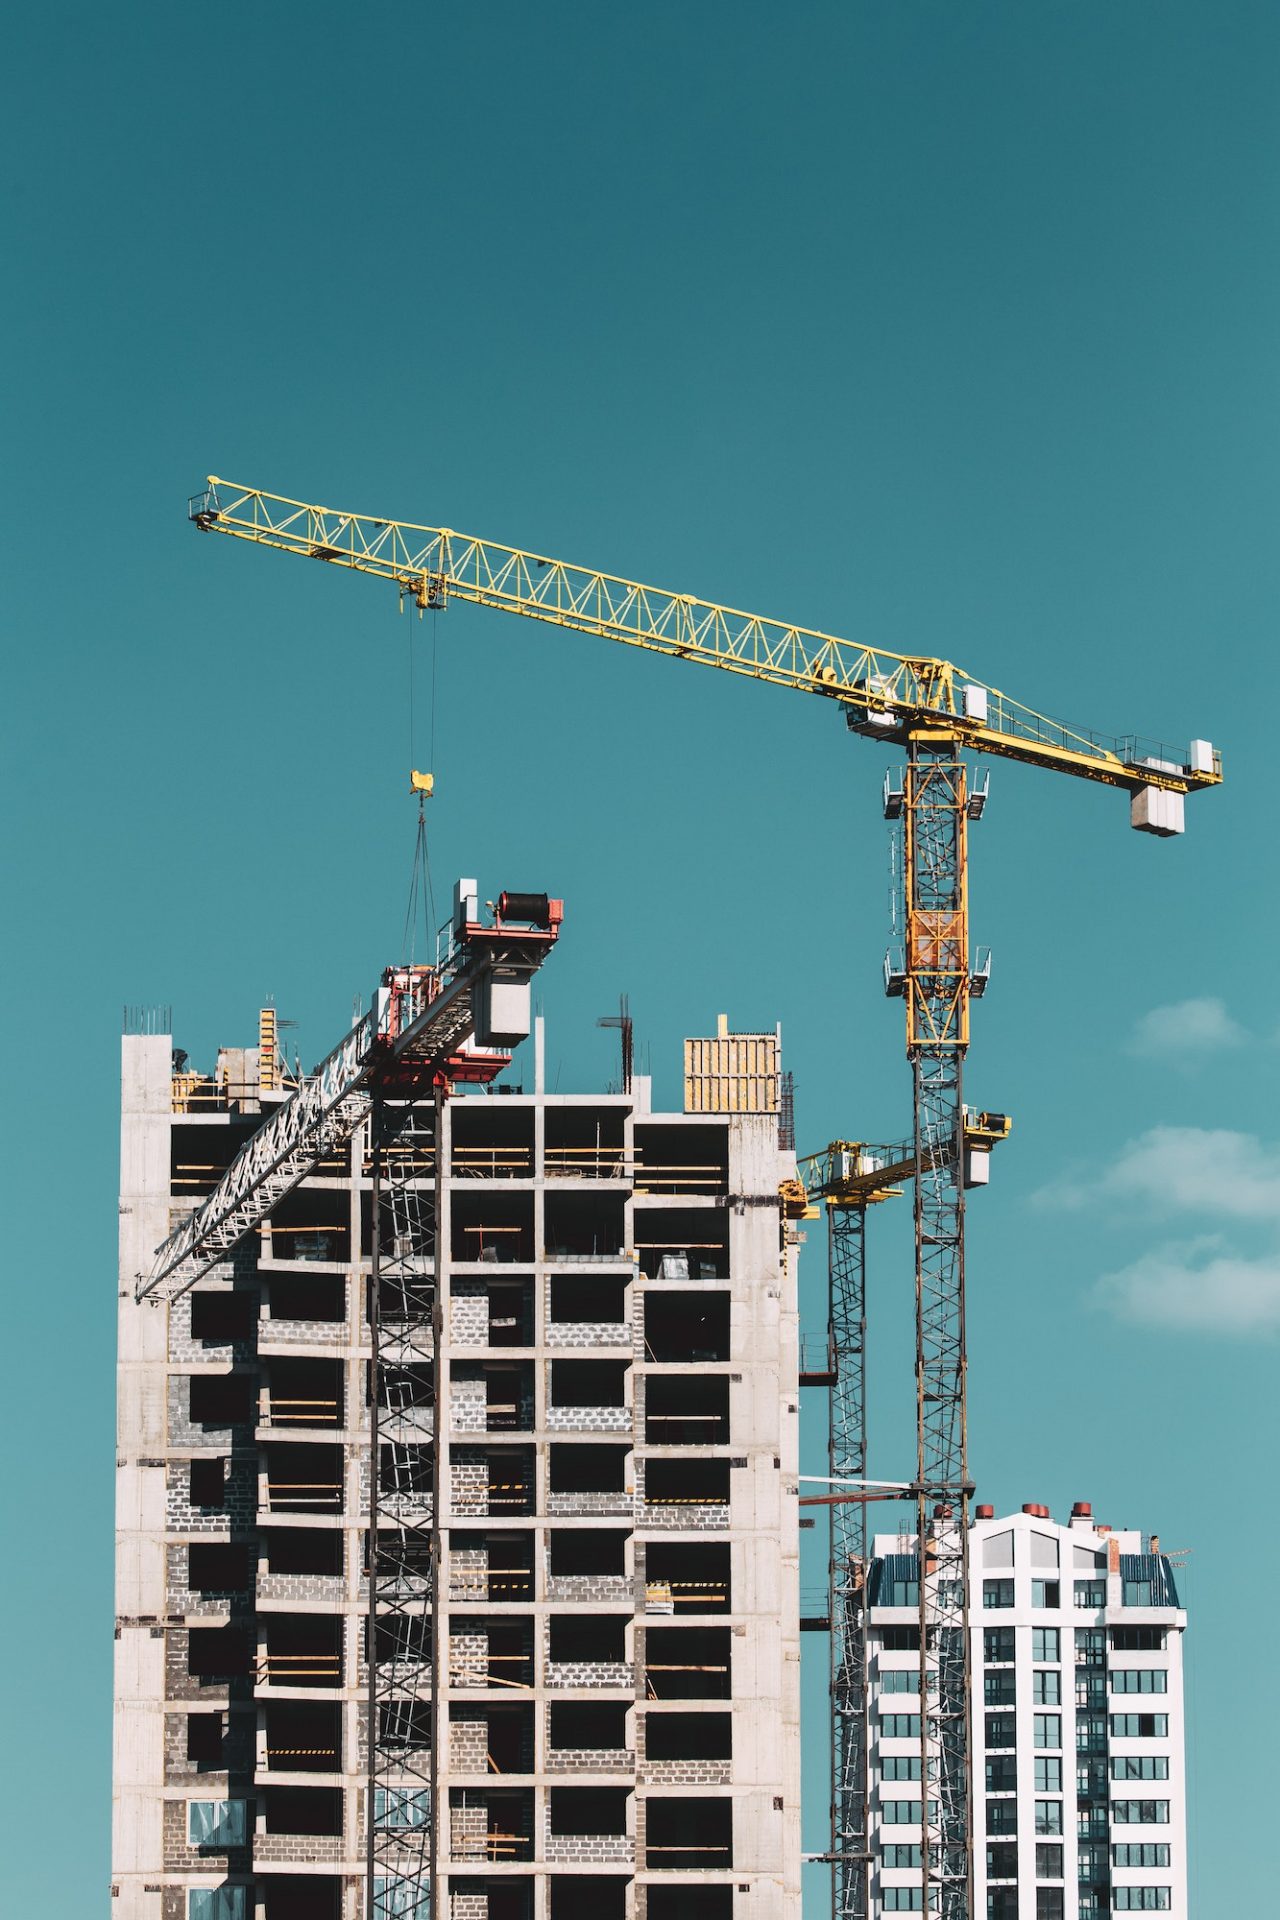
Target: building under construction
(457, 1551)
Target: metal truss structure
(937, 712)
(847, 1558)
(937, 987)
(403, 1555)
(887, 693)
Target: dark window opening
(502, 1899)
(490, 1567)
(508, 1737)
(584, 1143)
(688, 1736)
(683, 1243)
(507, 1830)
(585, 1299)
(491, 1142)
(688, 1663)
(697, 1575)
(218, 1566)
(492, 1226)
(302, 1478)
(691, 1902)
(311, 1223)
(301, 1896)
(686, 1409)
(584, 1226)
(588, 1550)
(900, 1639)
(222, 1399)
(313, 1296)
(589, 1725)
(223, 1317)
(588, 1469)
(218, 1653)
(504, 1659)
(589, 1809)
(602, 1896)
(304, 1736)
(304, 1393)
(588, 1383)
(689, 1832)
(681, 1159)
(579, 1636)
(204, 1741)
(510, 1314)
(208, 1483)
(402, 1387)
(683, 1328)
(301, 1550)
(303, 1809)
(303, 1650)
(690, 1482)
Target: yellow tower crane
(937, 713)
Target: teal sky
(948, 327)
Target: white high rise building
(1078, 1774)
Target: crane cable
(421, 902)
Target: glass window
(900, 1766)
(217, 1823)
(1090, 1593)
(1049, 1903)
(1091, 1733)
(1002, 1903)
(902, 1899)
(1137, 1593)
(1002, 1816)
(900, 1680)
(401, 1807)
(997, 1593)
(1139, 1766)
(401, 1900)
(216, 1903)
(900, 1813)
(1140, 1813)
(1091, 1646)
(1048, 1774)
(1140, 1899)
(999, 1689)
(1047, 1729)
(1048, 1816)
(900, 1593)
(1002, 1861)
(1002, 1773)
(1140, 1726)
(1046, 1643)
(997, 1644)
(901, 1853)
(900, 1726)
(1139, 1679)
(1001, 1730)
(900, 1639)
(1137, 1639)
(1048, 1860)
(1141, 1853)
(1045, 1593)
(1046, 1688)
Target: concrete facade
(617, 1717)
(1077, 1730)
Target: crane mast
(937, 712)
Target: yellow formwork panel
(732, 1073)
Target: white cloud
(1198, 1286)
(1186, 1030)
(1206, 1170)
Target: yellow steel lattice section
(894, 692)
